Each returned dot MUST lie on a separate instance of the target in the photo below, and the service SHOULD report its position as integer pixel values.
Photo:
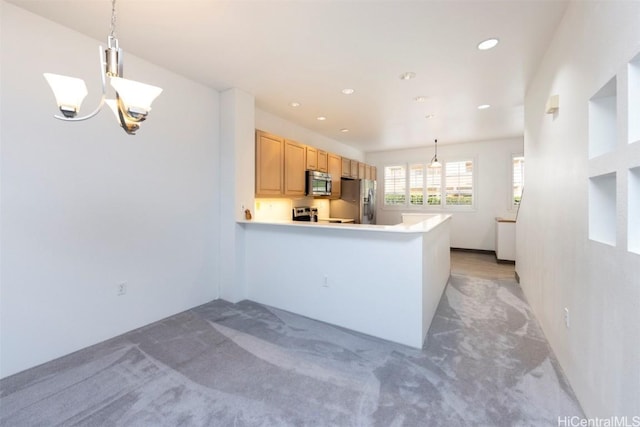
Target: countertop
(337, 220)
(420, 227)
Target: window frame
(511, 204)
(442, 207)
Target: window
(395, 185)
(418, 185)
(517, 179)
(434, 186)
(459, 183)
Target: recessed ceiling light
(321, 118)
(420, 98)
(344, 130)
(407, 76)
(429, 116)
(483, 106)
(488, 44)
(294, 104)
(348, 91)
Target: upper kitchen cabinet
(295, 163)
(269, 164)
(355, 169)
(362, 171)
(312, 159)
(346, 168)
(367, 172)
(335, 170)
(322, 161)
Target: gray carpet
(486, 363)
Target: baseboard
(477, 251)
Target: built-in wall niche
(603, 131)
(602, 208)
(634, 100)
(633, 216)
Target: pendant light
(434, 161)
(132, 101)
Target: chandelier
(132, 101)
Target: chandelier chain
(113, 19)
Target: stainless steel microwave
(318, 183)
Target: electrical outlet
(567, 322)
(122, 289)
(325, 283)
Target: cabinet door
(346, 168)
(335, 169)
(354, 169)
(294, 167)
(269, 164)
(374, 173)
(322, 161)
(312, 159)
(362, 171)
(367, 172)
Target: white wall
(237, 171)
(492, 163)
(558, 265)
(361, 274)
(85, 206)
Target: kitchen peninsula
(381, 280)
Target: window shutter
(395, 185)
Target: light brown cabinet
(322, 161)
(269, 164)
(354, 168)
(374, 173)
(346, 168)
(335, 170)
(312, 159)
(281, 164)
(294, 168)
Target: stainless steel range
(305, 213)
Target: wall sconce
(132, 101)
(553, 104)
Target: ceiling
(308, 51)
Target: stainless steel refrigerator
(357, 201)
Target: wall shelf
(603, 132)
(633, 224)
(602, 208)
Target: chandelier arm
(102, 99)
(129, 128)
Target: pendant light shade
(69, 92)
(136, 96)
